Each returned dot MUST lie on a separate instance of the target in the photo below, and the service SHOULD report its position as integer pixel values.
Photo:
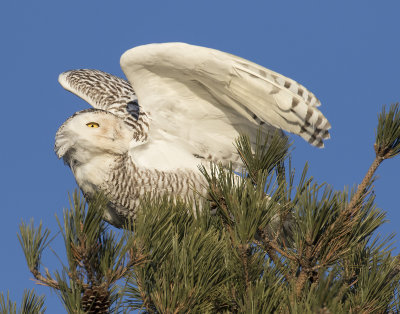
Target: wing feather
(110, 93)
(101, 90)
(237, 87)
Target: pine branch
(387, 145)
(6, 305)
(272, 249)
(96, 258)
(47, 280)
(33, 242)
(30, 304)
(269, 151)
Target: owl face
(91, 133)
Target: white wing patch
(234, 85)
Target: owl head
(90, 133)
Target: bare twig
(362, 187)
(45, 281)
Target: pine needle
(387, 143)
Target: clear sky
(346, 52)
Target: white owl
(183, 105)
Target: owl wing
(199, 99)
(106, 92)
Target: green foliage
(387, 143)
(31, 304)
(96, 257)
(268, 152)
(185, 257)
(253, 244)
(33, 242)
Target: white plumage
(184, 105)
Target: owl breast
(91, 175)
(126, 184)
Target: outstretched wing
(200, 98)
(107, 92)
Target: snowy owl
(182, 106)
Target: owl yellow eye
(92, 125)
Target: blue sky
(346, 52)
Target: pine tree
(256, 244)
